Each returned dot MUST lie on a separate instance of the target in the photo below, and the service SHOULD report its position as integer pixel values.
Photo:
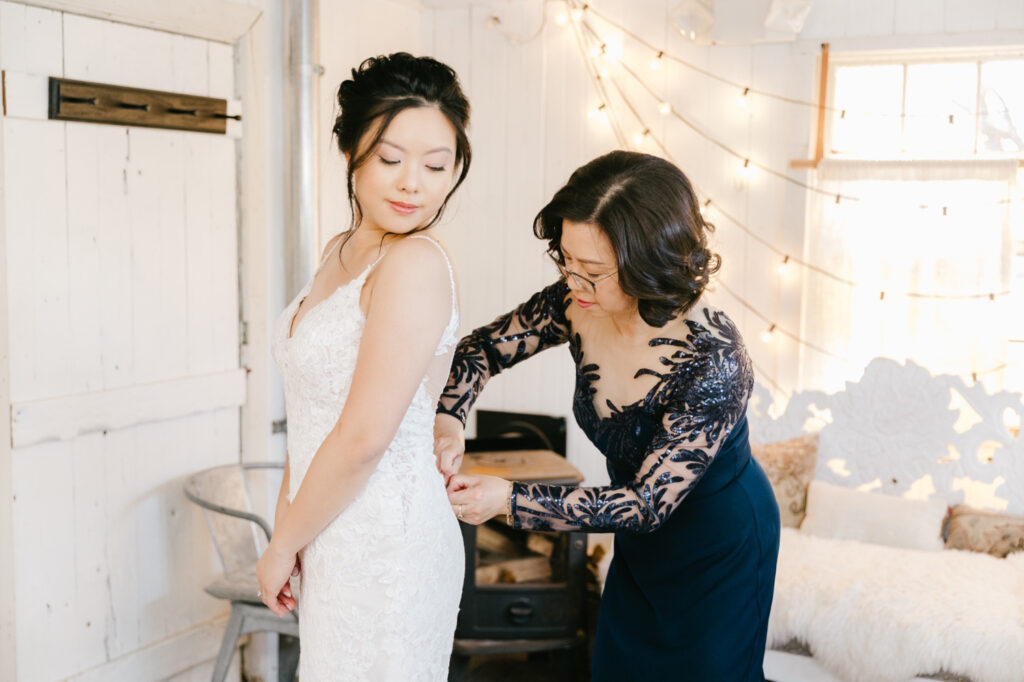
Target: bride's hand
(449, 444)
(272, 573)
(476, 499)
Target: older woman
(662, 383)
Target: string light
(597, 50)
(746, 170)
(748, 165)
(741, 100)
(577, 13)
(638, 138)
(784, 265)
(706, 209)
(691, 35)
(600, 112)
(664, 108)
(562, 19)
(656, 62)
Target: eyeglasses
(588, 285)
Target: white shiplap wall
(530, 130)
(121, 268)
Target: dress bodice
(317, 362)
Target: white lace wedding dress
(380, 585)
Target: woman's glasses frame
(585, 283)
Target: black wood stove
(524, 591)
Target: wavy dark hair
(648, 209)
(380, 89)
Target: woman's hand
(449, 444)
(476, 499)
(272, 573)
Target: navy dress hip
(690, 601)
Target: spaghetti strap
(449, 338)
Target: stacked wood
(540, 544)
(505, 556)
(489, 539)
(530, 569)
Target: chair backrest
(223, 493)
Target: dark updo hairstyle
(648, 210)
(380, 89)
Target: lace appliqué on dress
(658, 448)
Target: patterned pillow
(790, 468)
(985, 531)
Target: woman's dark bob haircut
(380, 89)
(648, 210)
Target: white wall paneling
(222, 21)
(120, 300)
(8, 657)
(68, 417)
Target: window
(917, 219)
(953, 108)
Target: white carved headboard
(901, 431)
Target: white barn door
(123, 332)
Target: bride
(364, 351)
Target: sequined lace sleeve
(706, 396)
(537, 324)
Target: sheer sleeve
(537, 324)
(707, 396)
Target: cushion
(790, 468)
(846, 514)
(985, 531)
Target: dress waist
(728, 464)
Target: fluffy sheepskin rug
(879, 614)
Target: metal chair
(223, 494)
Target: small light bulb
(705, 208)
(784, 265)
(599, 112)
(746, 170)
(656, 62)
(603, 71)
(664, 108)
(577, 14)
(766, 335)
(595, 51)
(562, 19)
(638, 138)
(741, 99)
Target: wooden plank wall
(121, 264)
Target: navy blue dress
(696, 524)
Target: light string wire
(839, 197)
(751, 90)
(787, 258)
(603, 94)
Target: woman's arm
(408, 310)
(695, 425)
(537, 324)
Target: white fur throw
(879, 614)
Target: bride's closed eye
(387, 161)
